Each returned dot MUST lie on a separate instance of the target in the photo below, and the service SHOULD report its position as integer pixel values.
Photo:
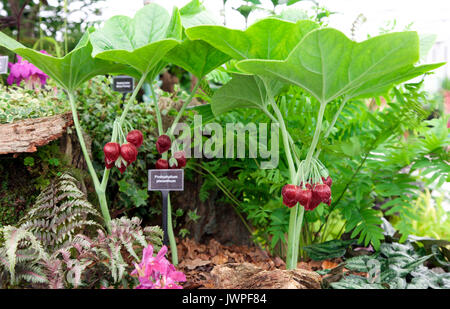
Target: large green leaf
(69, 71)
(329, 65)
(140, 42)
(197, 57)
(194, 14)
(243, 91)
(269, 38)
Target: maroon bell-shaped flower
(122, 168)
(321, 193)
(328, 181)
(128, 152)
(289, 194)
(135, 137)
(109, 165)
(163, 143)
(304, 196)
(180, 156)
(162, 164)
(112, 153)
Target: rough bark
(249, 276)
(27, 135)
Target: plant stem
(66, 48)
(333, 122)
(292, 251)
(104, 208)
(79, 131)
(132, 97)
(315, 140)
(98, 189)
(185, 104)
(157, 111)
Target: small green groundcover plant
(268, 56)
(18, 103)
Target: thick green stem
(315, 140)
(66, 41)
(291, 140)
(98, 189)
(333, 122)
(157, 111)
(104, 208)
(79, 131)
(292, 250)
(132, 97)
(180, 113)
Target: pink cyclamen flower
(23, 70)
(157, 272)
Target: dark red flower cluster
(123, 155)
(309, 197)
(163, 144)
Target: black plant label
(166, 180)
(123, 84)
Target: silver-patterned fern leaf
(60, 212)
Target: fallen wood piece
(249, 276)
(26, 135)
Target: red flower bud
(122, 168)
(289, 194)
(328, 181)
(321, 193)
(304, 197)
(313, 203)
(112, 153)
(128, 152)
(162, 164)
(135, 137)
(121, 164)
(180, 156)
(108, 165)
(163, 143)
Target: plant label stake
(165, 181)
(123, 84)
(3, 64)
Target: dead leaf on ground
(329, 265)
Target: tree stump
(249, 276)
(26, 135)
